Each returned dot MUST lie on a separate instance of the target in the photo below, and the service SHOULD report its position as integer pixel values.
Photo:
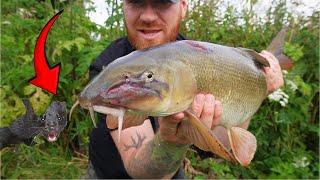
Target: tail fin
(276, 48)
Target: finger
(273, 64)
(208, 110)
(266, 70)
(197, 104)
(267, 56)
(270, 58)
(267, 53)
(263, 54)
(178, 117)
(217, 114)
(175, 118)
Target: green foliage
(287, 135)
(38, 162)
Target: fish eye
(126, 76)
(149, 76)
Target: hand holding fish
(206, 107)
(273, 73)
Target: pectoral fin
(204, 139)
(130, 120)
(243, 145)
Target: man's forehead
(158, 1)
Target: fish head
(141, 88)
(139, 81)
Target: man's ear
(184, 7)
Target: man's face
(153, 22)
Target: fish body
(180, 70)
(231, 74)
(164, 80)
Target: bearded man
(153, 149)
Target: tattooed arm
(163, 160)
(146, 155)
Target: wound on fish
(196, 45)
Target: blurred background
(286, 125)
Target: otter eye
(59, 118)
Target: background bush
(287, 132)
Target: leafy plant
(287, 129)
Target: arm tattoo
(135, 144)
(157, 159)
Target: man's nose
(149, 14)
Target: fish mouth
(121, 93)
(52, 136)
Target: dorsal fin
(276, 48)
(255, 56)
(277, 43)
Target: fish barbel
(164, 80)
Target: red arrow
(46, 77)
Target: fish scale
(234, 79)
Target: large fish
(163, 80)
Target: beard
(170, 34)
